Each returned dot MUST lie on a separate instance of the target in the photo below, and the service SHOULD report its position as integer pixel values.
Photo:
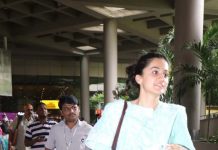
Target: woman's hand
(175, 147)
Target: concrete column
(203, 105)
(84, 74)
(110, 58)
(189, 28)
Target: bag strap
(114, 145)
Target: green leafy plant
(96, 99)
(123, 93)
(213, 139)
(165, 47)
(207, 53)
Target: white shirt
(62, 137)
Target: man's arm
(29, 142)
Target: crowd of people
(34, 130)
(145, 123)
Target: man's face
(42, 110)
(28, 109)
(70, 112)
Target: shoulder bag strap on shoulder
(114, 145)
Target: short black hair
(36, 106)
(67, 99)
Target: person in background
(20, 123)
(5, 132)
(5, 124)
(148, 124)
(1, 132)
(70, 133)
(38, 131)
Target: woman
(148, 124)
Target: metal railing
(212, 115)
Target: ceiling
(56, 27)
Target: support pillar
(110, 59)
(84, 74)
(189, 28)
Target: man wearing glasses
(19, 126)
(69, 134)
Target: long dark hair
(136, 69)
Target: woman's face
(154, 78)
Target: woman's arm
(180, 137)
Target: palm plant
(165, 47)
(207, 52)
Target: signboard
(5, 71)
(51, 104)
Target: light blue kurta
(142, 128)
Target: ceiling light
(90, 52)
(86, 48)
(114, 8)
(99, 28)
(93, 52)
(78, 52)
(116, 12)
